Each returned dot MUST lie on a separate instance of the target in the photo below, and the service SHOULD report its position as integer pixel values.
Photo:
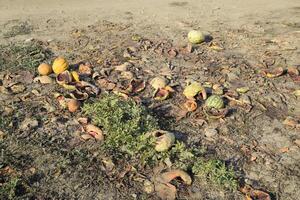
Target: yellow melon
(44, 69)
(60, 65)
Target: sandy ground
(53, 20)
(165, 14)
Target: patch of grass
(125, 123)
(216, 172)
(16, 56)
(22, 28)
(181, 156)
(4, 122)
(8, 189)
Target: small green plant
(181, 156)
(125, 123)
(216, 172)
(22, 56)
(4, 122)
(8, 190)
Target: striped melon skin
(214, 101)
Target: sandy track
(156, 11)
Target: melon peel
(164, 139)
(192, 90)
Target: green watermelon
(214, 101)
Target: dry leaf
(121, 94)
(296, 93)
(260, 195)
(43, 79)
(187, 49)
(7, 171)
(273, 73)
(85, 69)
(79, 95)
(94, 131)
(171, 175)
(136, 86)
(297, 142)
(164, 189)
(247, 197)
(216, 114)
(290, 121)
(109, 165)
(284, 150)
(86, 136)
(190, 105)
(106, 84)
(267, 60)
(17, 88)
(83, 120)
(242, 89)
(253, 158)
(127, 75)
(148, 187)
(124, 67)
(169, 88)
(172, 52)
(255, 194)
(87, 87)
(244, 101)
(25, 77)
(122, 174)
(293, 71)
(215, 46)
(161, 94)
(296, 79)
(4, 90)
(2, 135)
(62, 101)
(29, 124)
(294, 74)
(96, 75)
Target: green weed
(8, 190)
(4, 122)
(22, 56)
(216, 172)
(126, 123)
